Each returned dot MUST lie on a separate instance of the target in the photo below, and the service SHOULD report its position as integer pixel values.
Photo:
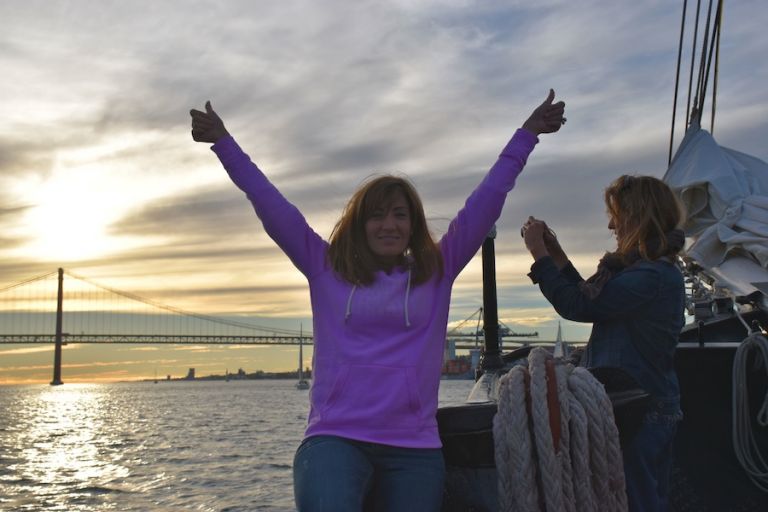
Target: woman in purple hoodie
(380, 291)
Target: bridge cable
(172, 309)
(27, 281)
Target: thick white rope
(584, 472)
(515, 458)
(550, 467)
(598, 462)
(744, 444)
(605, 450)
(565, 397)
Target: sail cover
(725, 193)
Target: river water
(203, 445)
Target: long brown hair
(349, 253)
(644, 210)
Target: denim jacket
(636, 321)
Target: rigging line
(719, 21)
(677, 82)
(173, 309)
(32, 280)
(701, 87)
(693, 60)
(715, 32)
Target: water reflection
(133, 447)
(58, 444)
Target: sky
(99, 174)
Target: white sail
(725, 193)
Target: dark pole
(491, 356)
(59, 317)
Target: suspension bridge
(62, 307)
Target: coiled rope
(744, 444)
(555, 439)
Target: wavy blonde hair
(349, 253)
(644, 210)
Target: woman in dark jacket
(636, 303)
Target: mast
(491, 356)
(301, 352)
(301, 384)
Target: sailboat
(721, 448)
(302, 383)
(559, 351)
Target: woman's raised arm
(282, 220)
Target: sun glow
(68, 224)
(70, 210)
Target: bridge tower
(58, 340)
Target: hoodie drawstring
(407, 292)
(349, 302)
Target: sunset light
(303, 255)
(99, 173)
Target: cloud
(197, 348)
(6, 213)
(9, 218)
(197, 214)
(432, 89)
(25, 350)
(25, 155)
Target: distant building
(240, 375)
(459, 366)
(190, 374)
(450, 350)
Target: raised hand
(533, 232)
(554, 249)
(207, 126)
(540, 240)
(547, 117)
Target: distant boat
(302, 383)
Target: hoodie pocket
(373, 396)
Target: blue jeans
(334, 474)
(648, 463)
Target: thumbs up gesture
(207, 126)
(547, 117)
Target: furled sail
(725, 193)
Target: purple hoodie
(378, 349)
